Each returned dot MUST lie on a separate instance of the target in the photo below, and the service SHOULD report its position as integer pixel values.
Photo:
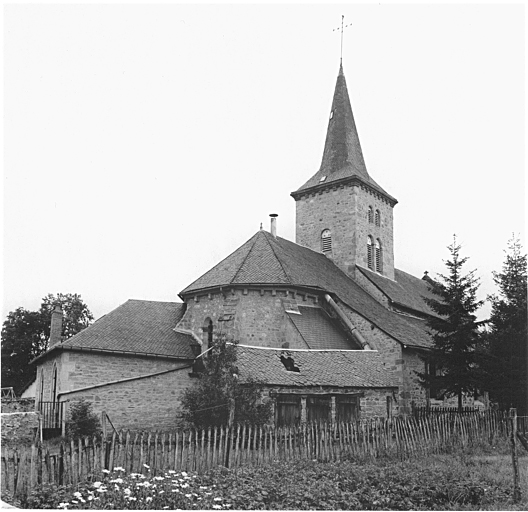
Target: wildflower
(171, 471)
(161, 492)
(131, 498)
(217, 499)
(149, 498)
(144, 465)
(77, 494)
(97, 484)
(127, 491)
(175, 490)
(184, 485)
(75, 501)
(166, 507)
(202, 487)
(158, 478)
(116, 481)
(188, 495)
(63, 505)
(184, 473)
(119, 469)
(82, 500)
(90, 498)
(217, 507)
(107, 471)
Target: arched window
(41, 387)
(207, 338)
(377, 220)
(370, 215)
(54, 385)
(370, 251)
(326, 240)
(379, 263)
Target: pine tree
(506, 365)
(456, 331)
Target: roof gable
(406, 290)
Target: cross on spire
(342, 27)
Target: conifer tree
(456, 331)
(506, 364)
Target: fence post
(515, 460)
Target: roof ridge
(278, 259)
(255, 236)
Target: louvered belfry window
(379, 266)
(326, 240)
(370, 215)
(378, 218)
(370, 250)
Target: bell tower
(341, 211)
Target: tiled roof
(318, 330)
(339, 368)
(137, 326)
(342, 156)
(264, 259)
(407, 290)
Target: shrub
(82, 421)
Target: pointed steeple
(342, 157)
(342, 148)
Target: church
(327, 323)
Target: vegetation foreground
(441, 482)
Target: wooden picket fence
(199, 450)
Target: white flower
(107, 471)
(161, 492)
(184, 485)
(171, 471)
(158, 478)
(117, 481)
(119, 469)
(166, 507)
(188, 495)
(184, 473)
(63, 505)
(144, 465)
(175, 490)
(127, 491)
(131, 498)
(217, 506)
(217, 499)
(77, 494)
(149, 498)
(90, 498)
(75, 501)
(97, 484)
(202, 487)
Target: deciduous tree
(25, 335)
(219, 387)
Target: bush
(82, 421)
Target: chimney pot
(273, 230)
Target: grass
(468, 480)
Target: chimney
(56, 327)
(273, 230)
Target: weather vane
(342, 27)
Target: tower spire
(342, 28)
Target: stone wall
(414, 391)
(143, 403)
(343, 210)
(19, 405)
(252, 316)
(19, 427)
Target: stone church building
(327, 322)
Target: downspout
(355, 333)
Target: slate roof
(339, 368)
(318, 330)
(137, 326)
(342, 157)
(405, 290)
(264, 259)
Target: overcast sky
(144, 143)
